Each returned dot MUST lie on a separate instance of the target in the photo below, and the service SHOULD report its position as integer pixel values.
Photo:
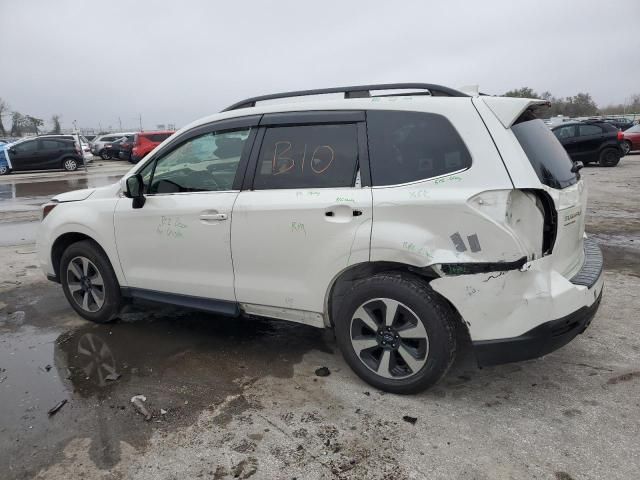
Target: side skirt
(223, 307)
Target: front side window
(586, 130)
(410, 146)
(207, 163)
(308, 156)
(26, 147)
(567, 131)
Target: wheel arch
(343, 281)
(63, 241)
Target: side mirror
(135, 190)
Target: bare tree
(55, 120)
(4, 111)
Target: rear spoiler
(509, 109)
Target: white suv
(390, 218)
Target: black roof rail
(357, 91)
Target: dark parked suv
(41, 154)
(591, 141)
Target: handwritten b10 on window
(319, 161)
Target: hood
(75, 195)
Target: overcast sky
(178, 60)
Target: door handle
(357, 213)
(213, 216)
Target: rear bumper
(551, 335)
(527, 312)
(538, 341)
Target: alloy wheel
(85, 284)
(70, 164)
(389, 338)
(626, 148)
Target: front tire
(105, 155)
(89, 282)
(609, 157)
(396, 333)
(626, 147)
(70, 164)
(4, 170)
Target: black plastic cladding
(356, 91)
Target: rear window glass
(411, 146)
(586, 130)
(308, 156)
(547, 155)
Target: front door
(25, 155)
(179, 241)
(305, 218)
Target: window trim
(307, 118)
(213, 128)
(237, 123)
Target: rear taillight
(620, 135)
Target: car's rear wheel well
(62, 243)
(346, 279)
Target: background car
(84, 144)
(40, 153)
(144, 142)
(97, 145)
(121, 146)
(591, 141)
(621, 123)
(631, 139)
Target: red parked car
(631, 140)
(144, 142)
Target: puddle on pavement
(182, 361)
(20, 190)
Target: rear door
(590, 137)
(304, 215)
(51, 153)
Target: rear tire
(70, 164)
(609, 157)
(626, 147)
(396, 333)
(89, 282)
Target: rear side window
(411, 146)
(158, 137)
(586, 130)
(52, 145)
(548, 157)
(308, 156)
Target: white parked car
(391, 219)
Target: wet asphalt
(244, 370)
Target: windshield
(547, 155)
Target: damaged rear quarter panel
(432, 221)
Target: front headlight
(46, 209)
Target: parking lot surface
(240, 398)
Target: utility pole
(75, 128)
(140, 118)
(120, 123)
